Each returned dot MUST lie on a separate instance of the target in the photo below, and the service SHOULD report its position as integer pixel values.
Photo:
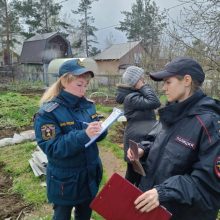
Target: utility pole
(46, 15)
(7, 30)
(86, 34)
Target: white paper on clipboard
(116, 113)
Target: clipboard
(136, 164)
(116, 202)
(116, 113)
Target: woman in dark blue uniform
(64, 124)
(183, 163)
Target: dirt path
(111, 163)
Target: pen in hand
(93, 129)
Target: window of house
(137, 58)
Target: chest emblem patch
(217, 166)
(48, 131)
(185, 142)
(94, 116)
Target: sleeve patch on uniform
(217, 166)
(67, 123)
(48, 131)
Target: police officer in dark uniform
(182, 166)
(64, 124)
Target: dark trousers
(81, 212)
(132, 176)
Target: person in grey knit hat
(139, 101)
(132, 75)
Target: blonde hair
(56, 87)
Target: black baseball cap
(75, 67)
(180, 66)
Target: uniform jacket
(73, 172)
(184, 159)
(139, 108)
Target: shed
(39, 50)
(42, 48)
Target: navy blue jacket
(183, 163)
(73, 172)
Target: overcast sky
(107, 13)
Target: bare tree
(197, 33)
(199, 24)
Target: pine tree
(144, 22)
(39, 16)
(86, 27)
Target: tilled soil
(12, 207)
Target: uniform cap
(75, 67)
(180, 66)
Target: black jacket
(184, 160)
(139, 108)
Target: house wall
(107, 67)
(31, 72)
(134, 56)
(112, 67)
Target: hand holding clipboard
(116, 202)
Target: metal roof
(41, 36)
(116, 51)
(35, 48)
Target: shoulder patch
(50, 106)
(48, 131)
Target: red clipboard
(116, 202)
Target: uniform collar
(176, 111)
(68, 99)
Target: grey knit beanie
(132, 75)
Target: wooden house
(115, 59)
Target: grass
(104, 109)
(17, 110)
(163, 99)
(18, 86)
(109, 144)
(25, 183)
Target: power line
(175, 6)
(100, 29)
(168, 9)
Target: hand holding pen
(94, 128)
